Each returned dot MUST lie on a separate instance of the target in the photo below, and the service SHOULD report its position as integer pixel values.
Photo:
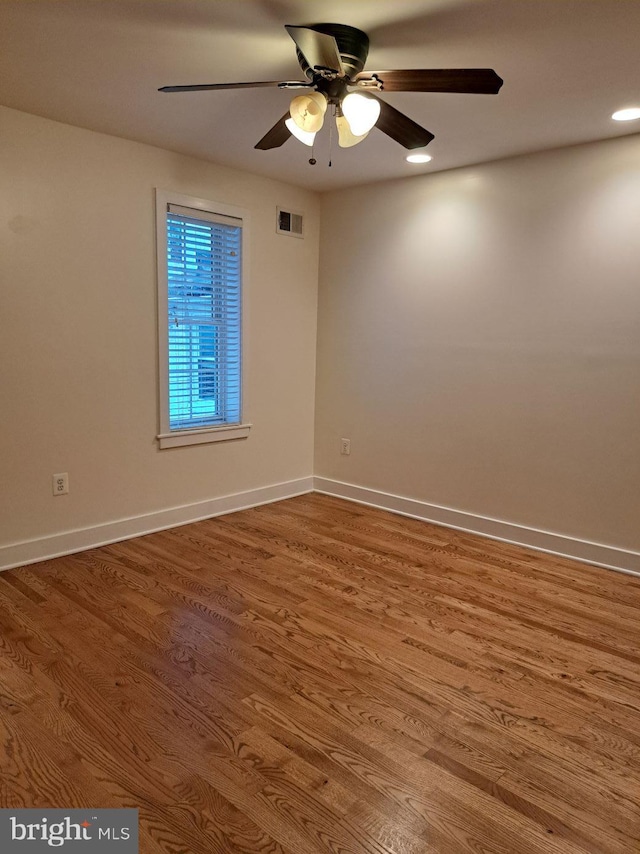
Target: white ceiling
(567, 65)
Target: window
(200, 299)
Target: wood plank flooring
(316, 676)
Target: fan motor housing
(353, 46)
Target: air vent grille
(289, 222)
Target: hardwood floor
(316, 676)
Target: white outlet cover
(60, 483)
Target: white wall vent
(289, 222)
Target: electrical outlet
(60, 483)
(345, 446)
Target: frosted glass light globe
(361, 112)
(302, 135)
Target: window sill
(202, 436)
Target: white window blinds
(204, 265)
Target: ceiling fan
(332, 58)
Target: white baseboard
(69, 542)
(561, 545)
(57, 545)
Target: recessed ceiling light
(627, 115)
(418, 157)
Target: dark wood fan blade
(474, 81)
(319, 49)
(204, 87)
(275, 137)
(401, 128)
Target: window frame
(177, 437)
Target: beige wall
(479, 337)
(479, 340)
(78, 359)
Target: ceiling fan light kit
(332, 58)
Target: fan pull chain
(312, 159)
(331, 134)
